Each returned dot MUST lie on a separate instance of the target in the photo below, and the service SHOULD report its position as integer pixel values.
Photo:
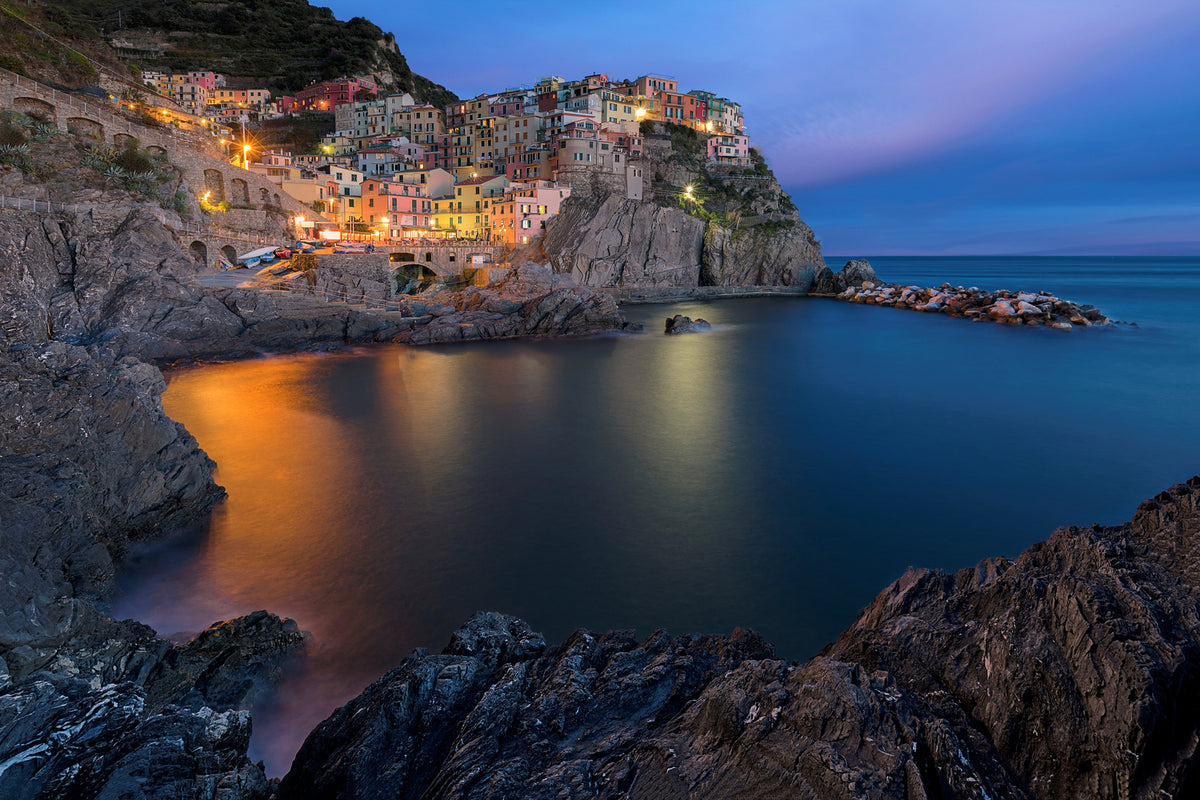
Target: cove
(774, 474)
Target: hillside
(284, 44)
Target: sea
(774, 474)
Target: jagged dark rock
(1067, 673)
(853, 273)
(135, 718)
(681, 324)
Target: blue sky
(900, 126)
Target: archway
(240, 191)
(214, 184)
(85, 127)
(199, 251)
(33, 107)
(125, 141)
(156, 151)
(264, 196)
(277, 200)
(229, 254)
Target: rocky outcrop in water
(614, 242)
(1067, 673)
(681, 324)
(855, 272)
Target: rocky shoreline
(93, 707)
(1068, 672)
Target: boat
(283, 254)
(266, 258)
(257, 256)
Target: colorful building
(522, 214)
(327, 95)
(729, 149)
(405, 208)
(466, 214)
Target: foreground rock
(1067, 673)
(857, 283)
(681, 324)
(137, 719)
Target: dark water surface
(774, 474)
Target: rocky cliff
(735, 227)
(1070, 672)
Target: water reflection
(774, 474)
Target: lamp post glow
(246, 156)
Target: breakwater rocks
(1069, 672)
(857, 283)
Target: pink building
(523, 214)
(325, 95)
(729, 149)
(405, 207)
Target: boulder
(681, 324)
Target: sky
(922, 127)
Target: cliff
(736, 227)
(1067, 673)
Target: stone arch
(85, 127)
(125, 141)
(264, 196)
(239, 191)
(214, 185)
(156, 151)
(229, 253)
(33, 107)
(199, 251)
(277, 200)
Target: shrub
(12, 63)
(133, 160)
(11, 135)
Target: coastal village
(492, 168)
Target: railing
(196, 229)
(99, 112)
(30, 204)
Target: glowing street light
(246, 156)
(687, 190)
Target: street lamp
(246, 156)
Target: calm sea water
(774, 474)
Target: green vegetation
(286, 44)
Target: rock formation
(738, 228)
(855, 272)
(1067, 673)
(681, 324)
